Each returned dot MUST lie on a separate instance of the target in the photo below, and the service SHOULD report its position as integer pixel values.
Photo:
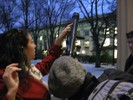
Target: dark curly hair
(129, 34)
(11, 49)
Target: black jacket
(129, 63)
(88, 86)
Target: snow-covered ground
(89, 68)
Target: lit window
(77, 43)
(77, 52)
(106, 31)
(115, 42)
(86, 44)
(107, 42)
(45, 52)
(115, 54)
(40, 38)
(56, 35)
(83, 52)
(64, 44)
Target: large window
(107, 42)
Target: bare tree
(96, 15)
(1, 24)
(8, 14)
(25, 8)
(36, 22)
(46, 14)
(55, 12)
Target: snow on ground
(89, 68)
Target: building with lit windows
(84, 43)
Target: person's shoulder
(131, 55)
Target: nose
(130, 44)
(34, 45)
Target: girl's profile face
(30, 49)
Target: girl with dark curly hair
(19, 79)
